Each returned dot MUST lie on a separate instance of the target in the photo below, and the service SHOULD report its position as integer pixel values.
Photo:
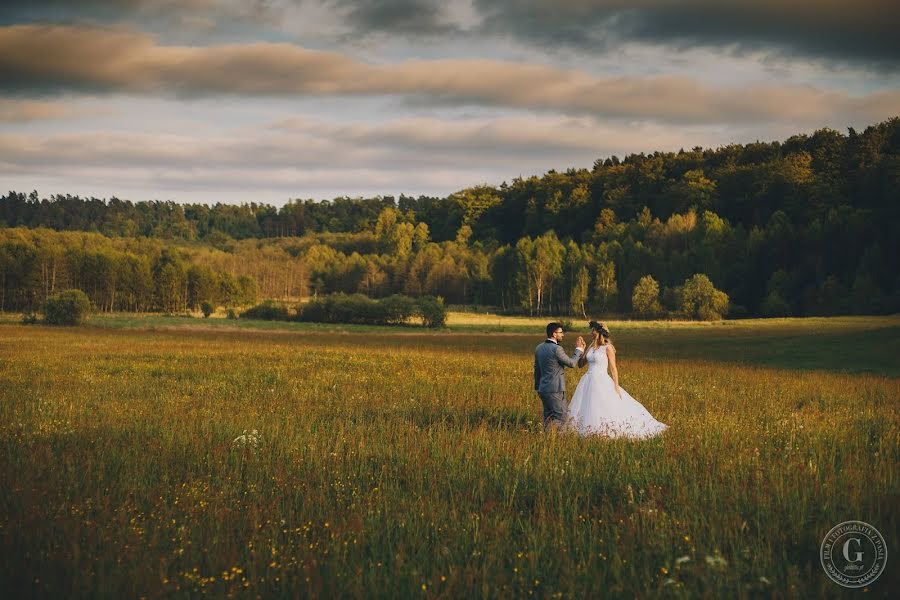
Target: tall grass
(414, 466)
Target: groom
(550, 361)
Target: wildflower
(251, 438)
(716, 561)
(682, 559)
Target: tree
(701, 300)
(543, 259)
(606, 286)
(170, 281)
(201, 284)
(775, 306)
(645, 297)
(70, 307)
(580, 291)
(503, 269)
(433, 312)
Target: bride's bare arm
(613, 370)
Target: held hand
(579, 343)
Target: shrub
(207, 308)
(645, 297)
(267, 311)
(342, 308)
(432, 311)
(30, 319)
(360, 310)
(398, 309)
(70, 307)
(231, 313)
(775, 306)
(699, 299)
(314, 311)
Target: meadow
(393, 463)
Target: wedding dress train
(596, 409)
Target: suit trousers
(555, 408)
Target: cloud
(116, 10)
(180, 17)
(303, 157)
(864, 31)
(473, 141)
(27, 111)
(41, 59)
(12, 111)
(406, 17)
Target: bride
(599, 406)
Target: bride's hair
(601, 329)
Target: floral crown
(599, 328)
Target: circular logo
(853, 554)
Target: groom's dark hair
(551, 327)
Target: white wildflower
(248, 438)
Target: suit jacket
(550, 361)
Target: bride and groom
(599, 406)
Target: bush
(432, 311)
(342, 308)
(398, 309)
(267, 311)
(207, 308)
(70, 307)
(360, 310)
(30, 319)
(775, 306)
(699, 299)
(231, 313)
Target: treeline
(141, 274)
(800, 227)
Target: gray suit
(550, 361)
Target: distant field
(406, 463)
(846, 344)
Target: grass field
(404, 463)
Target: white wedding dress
(596, 409)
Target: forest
(804, 226)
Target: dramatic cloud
(35, 59)
(269, 99)
(863, 31)
(205, 13)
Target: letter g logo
(859, 555)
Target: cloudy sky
(270, 100)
